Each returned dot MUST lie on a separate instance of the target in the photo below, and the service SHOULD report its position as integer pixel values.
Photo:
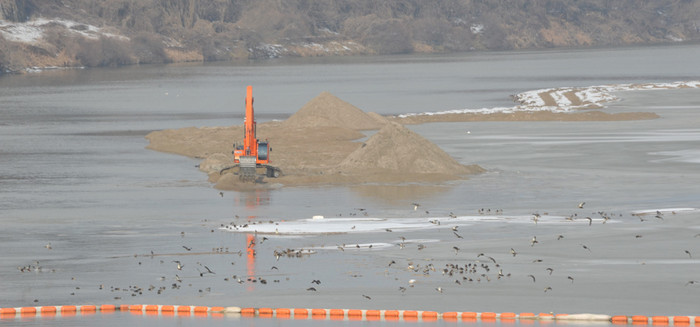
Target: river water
(75, 174)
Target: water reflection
(399, 194)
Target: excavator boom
(252, 154)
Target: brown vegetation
(157, 31)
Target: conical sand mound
(399, 149)
(328, 110)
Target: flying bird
(186, 248)
(366, 297)
(533, 241)
(688, 252)
(533, 278)
(512, 251)
(570, 278)
(311, 289)
(550, 270)
(547, 289)
(458, 236)
(580, 205)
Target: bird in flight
(533, 278)
(580, 205)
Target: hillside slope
(117, 32)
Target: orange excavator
(252, 154)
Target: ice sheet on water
(588, 97)
(663, 211)
(368, 225)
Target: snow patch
(33, 31)
(587, 98)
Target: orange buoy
(88, 308)
(318, 313)
(183, 308)
(619, 319)
(264, 311)
(8, 311)
(200, 309)
(429, 315)
(527, 315)
(469, 315)
(27, 311)
(410, 315)
(661, 320)
(373, 315)
(167, 308)
(508, 315)
(68, 308)
(301, 313)
(151, 308)
(48, 309)
(337, 312)
(450, 316)
(639, 318)
(488, 315)
(391, 314)
(136, 307)
(681, 320)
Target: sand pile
(328, 110)
(398, 149)
(319, 145)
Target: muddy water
(74, 173)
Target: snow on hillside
(33, 31)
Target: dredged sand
(323, 144)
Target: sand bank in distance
(322, 143)
(554, 104)
(319, 145)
